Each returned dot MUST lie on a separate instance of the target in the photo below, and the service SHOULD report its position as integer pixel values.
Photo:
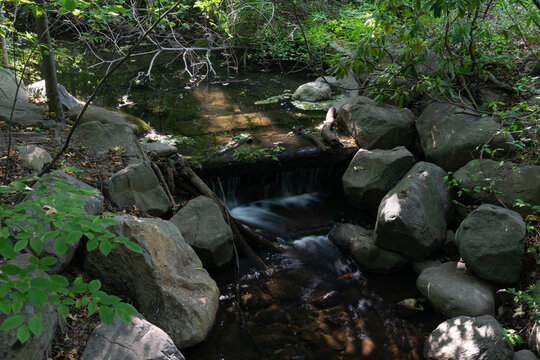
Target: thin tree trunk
(4, 61)
(48, 67)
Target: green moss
(142, 127)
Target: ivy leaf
(35, 324)
(37, 297)
(110, 300)
(92, 307)
(5, 306)
(105, 247)
(124, 311)
(63, 310)
(106, 314)
(19, 245)
(23, 333)
(94, 285)
(133, 246)
(12, 322)
(36, 244)
(61, 245)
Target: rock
(372, 173)
(34, 157)
(468, 338)
(313, 92)
(450, 138)
(93, 205)
(489, 94)
(137, 185)
(491, 243)
(377, 126)
(167, 281)
(134, 340)
(419, 266)
(360, 243)
(452, 292)
(8, 84)
(524, 355)
(412, 218)
(25, 114)
(37, 347)
(158, 149)
(104, 137)
(104, 116)
(534, 338)
(449, 246)
(67, 100)
(203, 227)
(328, 80)
(487, 181)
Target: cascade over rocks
(491, 242)
(36, 347)
(511, 182)
(166, 282)
(413, 216)
(468, 338)
(313, 92)
(376, 126)
(104, 116)
(452, 292)
(137, 185)
(134, 340)
(450, 137)
(203, 227)
(372, 173)
(67, 100)
(359, 242)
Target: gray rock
(137, 185)
(25, 114)
(534, 339)
(360, 244)
(313, 92)
(34, 157)
(159, 149)
(167, 281)
(413, 217)
(511, 182)
(449, 246)
(372, 173)
(37, 347)
(134, 340)
(450, 138)
(491, 243)
(203, 227)
(468, 338)
(377, 126)
(452, 292)
(419, 266)
(103, 137)
(8, 87)
(329, 80)
(524, 355)
(104, 116)
(67, 100)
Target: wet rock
(134, 340)
(158, 149)
(203, 227)
(167, 281)
(313, 92)
(511, 182)
(272, 315)
(452, 292)
(468, 338)
(283, 289)
(37, 347)
(360, 244)
(524, 355)
(377, 126)
(450, 137)
(25, 114)
(34, 157)
(137, 185)
(326, 299)
(372, 173)
(412, 218)
(67, 100)
(407, 307)
(491, 243)
(104, 116)
(256, 299)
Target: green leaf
(110, 299)
(10, 269)
(63, 310)
(36, 244)
(61, 245)
(68, 301)
(106, 314)
(48, 260)
(92, 307)
(79, 288)
(12, 322)
(40, 282)
(133, 246)
(20, 245)
(5, 306)
(105, 247)
(69, 5)
(36, 324)
(94, 285)
(4, 289)
(37, 297)
(23, 333)
(92, 245)
(124, 311)
(18, 302)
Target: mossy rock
(105, 116)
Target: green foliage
(52, 212)
(251, 155)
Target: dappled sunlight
(391, 209)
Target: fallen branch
(313, 139)
(163, 184)
(258, 238)
(329, 137)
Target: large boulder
(67, 100)
(450, 137)
(488, 181)
(34, 157)
(359, 242)
(313, 92)
(468, 338)
(534, 339)
(452, 292)
(25, 114)
(134, 340)
(137, 185)
(203, 227)
(104, 116)
(491, 243)
(377, 126)
(372, 173)
(413, 216)
(8, 85)
(102, 137)
(158, 149)
(524, 355)
(167, 281)
(37, 347)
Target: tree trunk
(4, 61)
(48, 67)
